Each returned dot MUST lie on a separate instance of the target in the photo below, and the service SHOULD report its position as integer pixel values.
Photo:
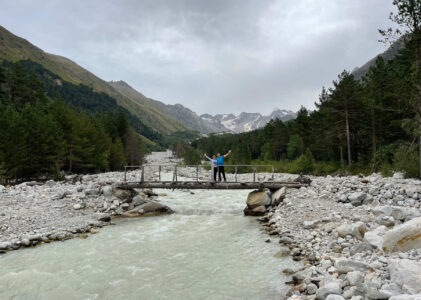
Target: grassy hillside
(14, 48)
(177, 112)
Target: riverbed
(206, 250)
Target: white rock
(410, 191)
(403, 237)
(329, 288)
(398, 175)
(5, 245)
(406, 274)
(278, 196)
(344, 265)
(357, 198)
(374, 239)
(26, 242)
(107, 191)
(388, 195)
(406, 297)
(77, 206)
(354, 277)
(335, 297)
(382, 210)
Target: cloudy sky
(213, 56)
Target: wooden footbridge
(137, 177)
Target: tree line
(42, 136)
(364, 125)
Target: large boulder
(258, 198)
(403, 237)
(151, 208)
(278, 196)
(406, 274)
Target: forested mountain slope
(14, 48)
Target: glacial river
(206, 250)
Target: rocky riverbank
(358, 237)
(34, 213)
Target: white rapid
(206, 250)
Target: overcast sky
(213, 56)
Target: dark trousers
(215, 171)
(221, 170)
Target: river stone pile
(358, 237)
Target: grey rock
(354, 278)
(382, 210)
(311, 289)
(125, 195)
(286, 240)
(406, 274)
(410, 191)
(357, 230)
(404, 213)
(329, 288)
(107, 191)
(391, 288)
(344, 265)
(92, 192)
(139, 200)
(361, 247)
(357, 198)
(150, 209)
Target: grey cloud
(212, 56)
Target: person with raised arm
(214, 165)
(220, 163)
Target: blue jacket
(220, 160)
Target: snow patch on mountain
(245, 122)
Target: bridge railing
(160, 173)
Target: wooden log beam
(206, 185)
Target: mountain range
(246, 121)
(157, 116)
